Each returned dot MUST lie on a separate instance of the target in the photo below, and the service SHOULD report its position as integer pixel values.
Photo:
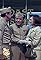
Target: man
(5, 17)
(19, 31)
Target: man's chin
(18, 24)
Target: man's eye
(19, 18)
(8, 12)
(16, 18)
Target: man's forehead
(31, 17)
(19, 14)
(19, 17)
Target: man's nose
(18, 19)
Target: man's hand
(22, 41)
(25, 41)
(28, 43)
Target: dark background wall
(17, 4)
(20, 4)
(34, 4)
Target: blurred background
(21, 4)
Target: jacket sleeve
(35, 39)
(2, 26)
(1, 33)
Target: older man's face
(8, 15)
(19, 20)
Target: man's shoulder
(24, 27)
(1, 18)
(13, 26)
(36, 29)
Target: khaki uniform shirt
(34, 35)
(2, 26)
(6, 35)
(19, 33)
